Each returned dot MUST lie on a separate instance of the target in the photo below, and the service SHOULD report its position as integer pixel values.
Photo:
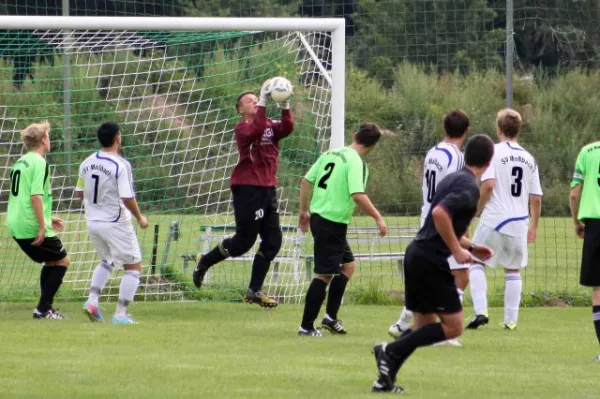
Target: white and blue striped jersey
(105, 178)
(440, 161)
(516, 176)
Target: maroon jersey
(258, 145)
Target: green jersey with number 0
(587, 172)
(337, 175)
(30, 175)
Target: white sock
(99, 279)
(461, 295)
(129, 285)
(478, 289)
(512, 297)
(405, 319)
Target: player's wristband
(471, 247)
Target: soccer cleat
(92, 311)
(451, 342)
(510, 326)
(199, 272)
(260, 298)
(49, 314)
(379, 387)
(597, 359)
(477, 321)
(123, 320)
(333, 326)
(309, 333)
(386, 366)
(395, 331)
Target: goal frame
(334, 25)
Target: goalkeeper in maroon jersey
(253, 184)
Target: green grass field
(553, 270)
(210, 350)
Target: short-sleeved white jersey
(516, 176)
(440, 161)
(105, 178)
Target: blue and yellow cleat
(510, 326)
(92, 311)
(123, 320)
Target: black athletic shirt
(458, 194)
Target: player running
(29, 216)
(253, 184)
(430, 288)
(510, 206)
(334, 185)
(106, 186)
(440, 161)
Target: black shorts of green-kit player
(51, 277)
(331, 249)
(255, 211)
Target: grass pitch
(216, 350)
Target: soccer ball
(281, 89)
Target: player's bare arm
(574, 197)
(306, 189)
(485, 193)
(38, 210)
(443, 224)
(132, 205)
(535, 211)
(364, 203)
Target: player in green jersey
(334, 185)
(29, 216)
(584, 201)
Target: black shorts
(51, 249)
(590, 257)
(252, 204)
(330, 245)
(429, 284)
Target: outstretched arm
(285, 127)
(251, 131)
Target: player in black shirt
(429, 286)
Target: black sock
(405, 333)
(216, 255)
(314, 299)
(404, 347)
(336, 293)
(260, 268)
(51, 279)
(45, 303)
(596, 318)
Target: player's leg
(247, 212)
(596, 314)
(102, 272)
(460, 272)
(270, 243)
(590, 273)
(513, 260)
(54, 259)
(329, 241)
(337, 288)
(125, 250)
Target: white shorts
(116, 243)
(509, 251)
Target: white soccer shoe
(395, 331)
(452, 342)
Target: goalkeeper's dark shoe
(477, 321)
(386, 366)
(199, 272)
(333, 326)
(313, 332)
(260, 298)
(378, 387)
(49, 314)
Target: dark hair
(237, 102)
(509, 122)
(479, 151)
(456, 123)
(368, 134)
(107, 132)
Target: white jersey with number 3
(516, 176)
(440, 161)
(105, 178)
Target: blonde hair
(509, 122)
(33, 134)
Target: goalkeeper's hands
(265, 93)
(286, 104)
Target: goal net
(172, 89)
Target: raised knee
(239, 245)
(348, 269)
(271, 246)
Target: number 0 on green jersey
(335, 176)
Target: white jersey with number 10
(441, 160)
(516, 177)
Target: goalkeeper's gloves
(265, 93)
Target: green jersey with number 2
(335, 176)
(587, 172)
